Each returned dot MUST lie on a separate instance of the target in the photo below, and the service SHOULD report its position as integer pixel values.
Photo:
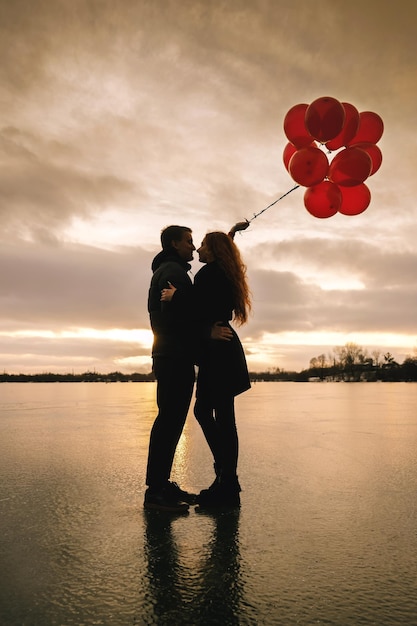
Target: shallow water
(326, 534)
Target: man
(172, 324)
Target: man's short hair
(173, 233)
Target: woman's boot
(224, 492)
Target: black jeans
(218, 423)
(175, 383)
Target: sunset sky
(120, 117)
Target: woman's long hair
(227, 255)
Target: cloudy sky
(120, 117)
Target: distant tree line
(352, 363)
(349, 363)
(86, 377)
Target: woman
(221, 293)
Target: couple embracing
(191, 325)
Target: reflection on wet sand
(215, 582)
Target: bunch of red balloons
(338, 185)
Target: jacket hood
(166, 256)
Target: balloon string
(272, 203)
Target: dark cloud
(73, 286)
(283, 303)
(375, 263)
(286, 300)
(39, 194)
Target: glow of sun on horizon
(140, 336)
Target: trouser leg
(218, 424)
(204, 414)
(228, 438)
(175, 381)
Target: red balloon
(350, 167)
(289, 150)
(323, 200)
(354, 199)
(375, 154)
(309, 166)
(371, 128)
(294, 126)
(349, 130)
(324, 118)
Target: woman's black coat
(222, 365)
